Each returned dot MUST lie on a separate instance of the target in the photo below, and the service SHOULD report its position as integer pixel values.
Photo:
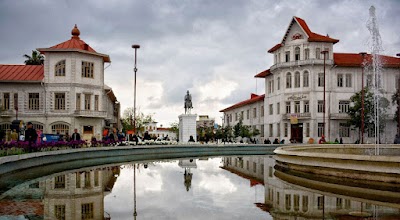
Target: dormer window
(297, 53)
(59, 69)
(87, 69)
(287, 56)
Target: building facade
(306, 70)
(65, 93)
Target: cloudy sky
(213, 48)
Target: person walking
(30, 136)
(75, 137)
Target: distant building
(65, 93)
(205, 122)
(159, 132)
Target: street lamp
(398, 102)
(362, 96)
(135, 46)
(323, 117)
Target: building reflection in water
(187, 164)
(285, 200)
(78, 195)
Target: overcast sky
(213, 48)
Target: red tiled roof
(30, 73)
(263, 74)
(312, 37)
(254, 98)
(163, 129)
(355, 60)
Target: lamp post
(323, 117)
(398, 102)
(135, 46)
(362, 96)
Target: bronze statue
(188, 102)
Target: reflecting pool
(234, 187)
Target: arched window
(5, 126)
(288, 80)
(60, 128)
(297, 80)
(297, 53)
(306, 79)
(59, 69)
(307, 54)
(37, 126)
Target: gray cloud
(187, 44)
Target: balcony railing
(301, 63)
(305, 115)
(6, 113)
(339, 116)
(90, 113)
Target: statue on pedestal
(188, 103)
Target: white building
(65, 93)
(159, 132)
(294, 88)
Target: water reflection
(239, 187)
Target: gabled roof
(311, 36)
(355, 60)
(110, 93)
(21, 73)
(74, 44)
(263, 74)
(253, 99)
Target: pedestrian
(322, 140)
(30, 136)
(191, 139)
(14, 135)
(397, 139)
(341, 140)
(76, 137)
(268, 141)
(276, 141)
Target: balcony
(306, 115)
(339, 116)
(7, 113)
(301, 63)
(90, 114)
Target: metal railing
(90, 113)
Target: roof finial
(75, 32)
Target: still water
(239, 187)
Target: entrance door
(88, 132)
(296, 132)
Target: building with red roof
(64, 93)
(294, 89)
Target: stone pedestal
(187, 127)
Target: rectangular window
(78, 180)
(6, 101)
(59, 212)
(277, 198)
(321, 81)
(288, 80)
(242, 115)
(254, 167)
(340, 80)
(247, 165)
(320, 106)
(347, 204)
(305, 79)
(344, 130)
(278, 129)
(320, 202)
(278, 108)
(288, 110)
(248, 113)
(306, 106)
(348, 80)
(87, 180)
(59, 182)
(87, 69)
(15, 100)
(305, 203)
(96, 102)
(287, 56)
(271, 130)
(254, 112)
(278, 82)
(78, 102)
(96, 178)
(286, 130)
(288, 201)
(320, 129)
(262, 130)
(33, 101)
(339, 203)
(87, 211)
(230, 117)
(87, 101)
(307, 129)
(326, 54)
(272, 85)
(297, 80)
(262, 111)
(307, 54)
(59, 101)
(271, 109)
(270, 171)
(344, 106)
(236, 116)
(269, 86)
(297, 107)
